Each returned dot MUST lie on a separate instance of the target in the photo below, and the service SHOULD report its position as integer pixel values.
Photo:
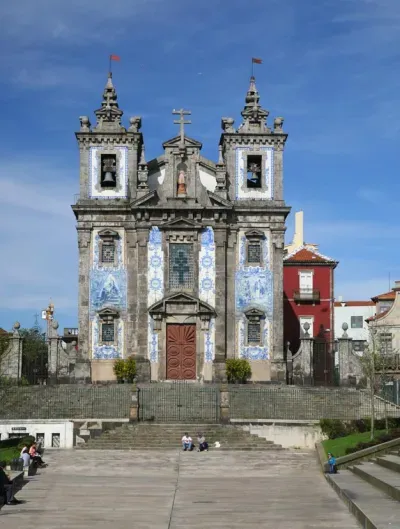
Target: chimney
(396, 287)
(298, 239)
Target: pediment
(147, 200)
(254, 313)
(189, 142)
(182, 298)
(181, 223)
(255, 233)
(108, 233)
(108, 312)
(219, 201)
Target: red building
(308, 286)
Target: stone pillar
(11, 361)
(278, 366)
(142, 315)
(224, 404)
(303, 372)
(84, 356)
(53, 356)
(230, 295)
(134, 409)
(349, 364)
(220, 295)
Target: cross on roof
(181, 121)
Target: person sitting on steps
(332, 464)
(7, 489)
(203, 445)
(36, 457)
(187, 443)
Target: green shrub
(119, 369)
(333, 428)
(238, 370)
(130, 368)
(125, 369)
(382, 438)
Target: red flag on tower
(256, 61)
(115, 58)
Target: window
(253, 333)
(306, 281)
(108, 170)
(356, 322)
(107, 332)
(107, 252)
(40, 438)
(181, 274)
(254, 253)
(55, 440)
(254, 171)
(386, 342)
(108, 245)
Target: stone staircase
(168, 437)
(371, 490)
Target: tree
(34, 354)
(374, 365)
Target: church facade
(181, 257)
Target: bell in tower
(108, 171)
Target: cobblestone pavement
(172, 490)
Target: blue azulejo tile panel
(155, 285)
(108, 289)
(107, 352)
(209, 342)
(259, 352)
(152, 341)
(253, 290)
(242, 192)
(95, 189)
(207, 267)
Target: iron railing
(306, 294)
(179, 402)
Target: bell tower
(111, 162)
(253, 158)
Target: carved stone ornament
(227, 124)
(85, 124)
(278, 125)
(135, 123)
(83, 239)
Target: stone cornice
(238, 139)
(88, 139)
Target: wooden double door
(181, 352)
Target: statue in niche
(181, 182)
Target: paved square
(173, 490)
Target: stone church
(181, 257)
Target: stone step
(222, 448)
(390, 461)
(373, 508)
(382, 478)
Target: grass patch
(338, 446)
(8, 454)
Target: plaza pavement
(173, 490)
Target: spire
(143, 173)
(109, 115)
(254, 116)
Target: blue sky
(330, 68)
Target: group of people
(27, 455)
(187, 443)
(32, 454)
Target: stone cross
(181, 121)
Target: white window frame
(308, 274)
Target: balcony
(306, 294)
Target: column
(278, 366)
(230, 294)
(220, 295)
(53, 359)
(82, 366)
(11, 360)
